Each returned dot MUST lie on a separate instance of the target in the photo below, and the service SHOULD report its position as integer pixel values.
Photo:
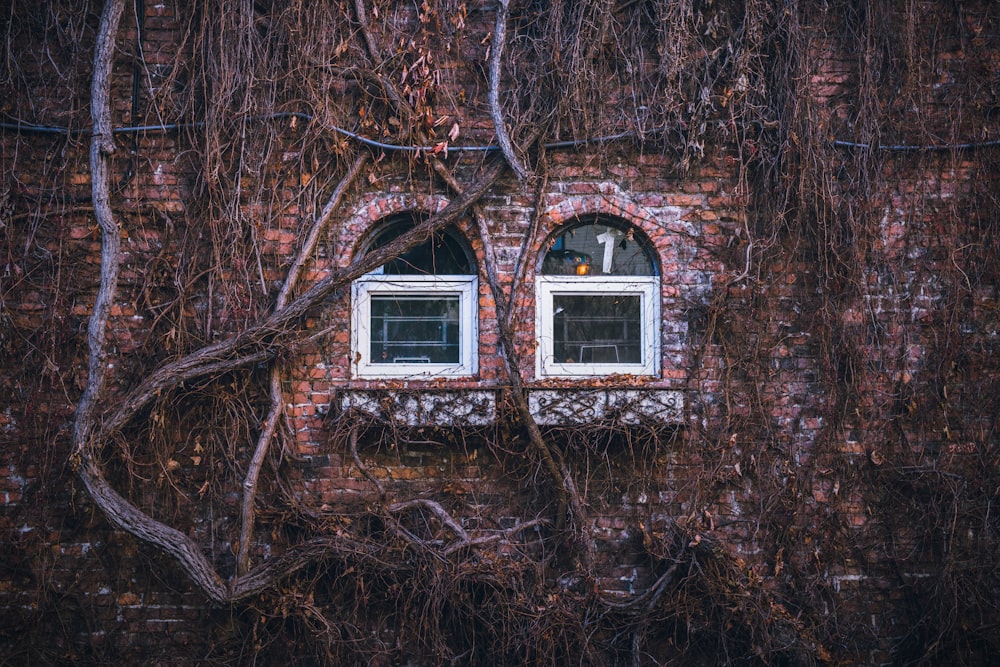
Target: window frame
(549, 286)
(466, 287)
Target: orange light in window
(582, 269)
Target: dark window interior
(415, 329)
(597, 329)
(443, 254)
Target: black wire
(29, 128)
(906, 148)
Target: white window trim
(465, 287)
(647, 287)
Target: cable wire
(30, 128)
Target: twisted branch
(101, 148)
(254, 344)
(496, 113)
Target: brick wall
(761, 446)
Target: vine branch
(496, 112)
(274, 381)
(101, 148)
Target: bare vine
(276, 410)
(503, 136)
(842, 374)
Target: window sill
(550, 407)
(424, 408)
(566, 407)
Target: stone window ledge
(565, 407)
(550, 407)
(425, 408)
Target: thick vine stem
(496, 113)
(353, 444)
(556, 467)
(262, 340)
(366, 31)
(101, 147)
(437, 510)
(119, 511)
(558, 471)
(134, 521)
(488, 539)
(248, 515)
(255, 344)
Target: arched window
(598, 302)
(416, 314)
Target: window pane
(597, 250)
(415, 330)
(442, 254)
(595, 329)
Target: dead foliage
(865, 247)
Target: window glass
(597, 329)
(415, 329)
(592, 249)
(415, 316)
(443, 254)
(598, 303)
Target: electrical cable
(907, 148)
(30, 128)
(172, 127)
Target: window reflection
(598, 302)
(415, 330)
(594, 249)
(597, 329)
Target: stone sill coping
(550, 407)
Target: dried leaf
(128, 599)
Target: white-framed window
(407, 326)
(416, 316)
(597, 304)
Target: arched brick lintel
(356, 228)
